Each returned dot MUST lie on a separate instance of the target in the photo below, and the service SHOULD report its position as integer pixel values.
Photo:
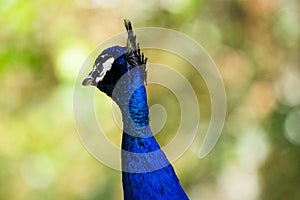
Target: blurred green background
(255, 43)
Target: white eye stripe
(106, 67)
(107, 64)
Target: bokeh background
(255, 43)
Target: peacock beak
(88, 81)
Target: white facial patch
(106, 67)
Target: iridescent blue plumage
(146, 172)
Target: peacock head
(116, 61)
(108, 68)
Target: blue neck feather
(147, 174)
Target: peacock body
(120, 72)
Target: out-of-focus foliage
(255, 43)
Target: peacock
(120, 72)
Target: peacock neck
(130, 95)
(145, 169)
(135, 115)
(146, 172)
(137, 135)
(140, 150)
